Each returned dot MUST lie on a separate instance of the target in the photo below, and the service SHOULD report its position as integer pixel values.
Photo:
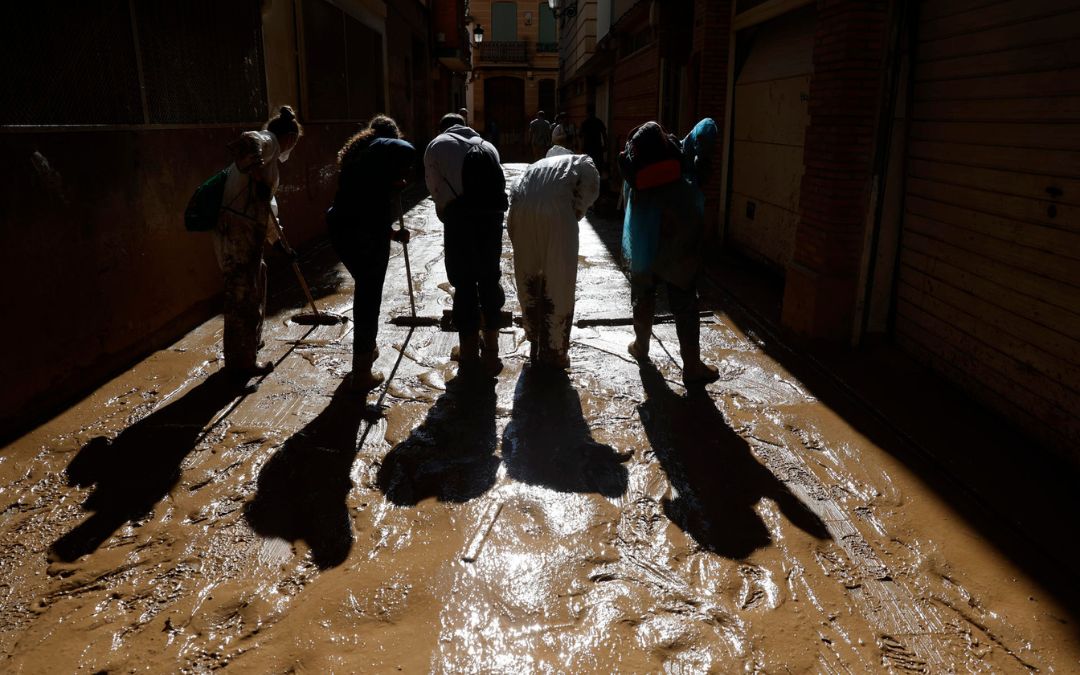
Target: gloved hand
(284, 250)
(400, 235)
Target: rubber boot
(695, 371)
(468, 348)
(363, 378)
(489, 352)
(643, 319)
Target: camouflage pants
(240, 244)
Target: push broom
(314, 317)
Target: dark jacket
(369, 184)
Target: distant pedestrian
(375, 165)
(564, 133)
(464, 112)
(539, 136)
(467, 183)
(491, 132)
(594, 140)
(662, 239)
(244, 226)
(545, 208)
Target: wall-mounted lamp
(561, 8)
(478, 34)
(528, 18)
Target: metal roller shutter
(989, 279)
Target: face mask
(284, 156)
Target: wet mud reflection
(715, 477)
(302, 489)
(548, 442)
(451, 455)
(132, 472)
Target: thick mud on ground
(600, 520)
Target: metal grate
(202, 61)
(68, 63)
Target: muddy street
(598, 520)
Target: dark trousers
(366, 256)
(683, 303)
(473, 246)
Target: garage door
(989, 282)
(771, 115)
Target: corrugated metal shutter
(771, 115)
(989, 279)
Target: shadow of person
(451, 455)
(302, 490)
(133, 471)
(548, 441)
(714, 475)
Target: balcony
(504, 52)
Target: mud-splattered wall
(99, 269)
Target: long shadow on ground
(451, 455)
(302, 490)
(136, 469)
(548, 442)
(716, 477)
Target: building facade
(906, 169)
(514, 70)
(112, 116)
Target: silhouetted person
(539, 136)
(132, 472)
(375, 165)
(663, 232)
(466, 181)
(594, 139)
(248, 205)
(545, 207)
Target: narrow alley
(599, 520)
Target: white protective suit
(545, 206)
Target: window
(504, 21)
(548, 40)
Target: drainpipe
(904, 26)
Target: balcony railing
(547, 47)
(504, 52)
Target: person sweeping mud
(375, 165)
(662, 235)
(245, 224)
(545, 207)
(466, 181)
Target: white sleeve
(588, 184)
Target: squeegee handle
(295, 266)
(405, 251)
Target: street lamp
(561, 8)
(478, 34)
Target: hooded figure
(545, 207)
(662, 240)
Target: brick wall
(845, 91)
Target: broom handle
(405, 250)
(295, 266)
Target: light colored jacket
(443, 160)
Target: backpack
(204, 207)
(482, 179)
(651, 157)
